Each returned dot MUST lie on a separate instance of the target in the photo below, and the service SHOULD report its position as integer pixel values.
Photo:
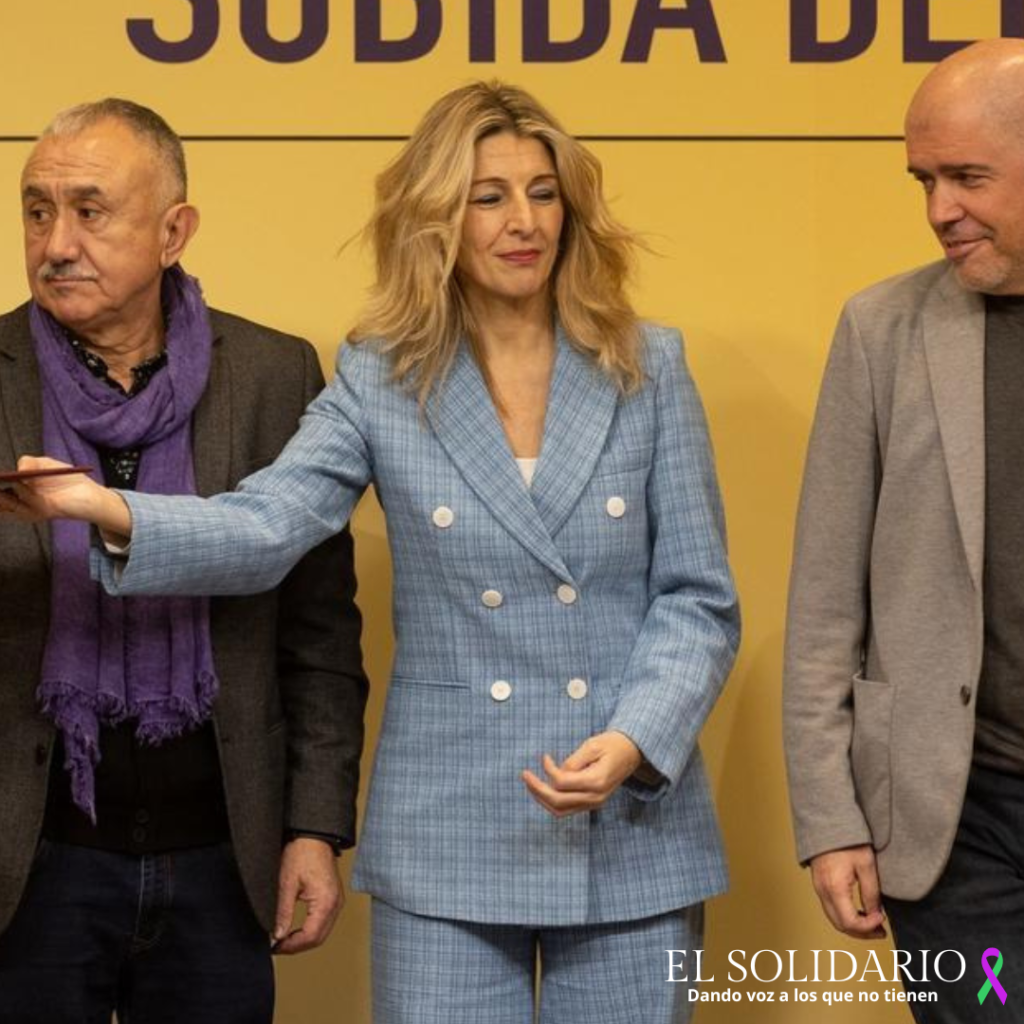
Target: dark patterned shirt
(120, 467)
(97, 366)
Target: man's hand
(846, 882)
(308, 875)
(587, 777)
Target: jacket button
(615, 507)
(577, 689)
(443, 517)
(501, 690)
(566, 594)
(41, 751)
(492, 598)
(965, 695)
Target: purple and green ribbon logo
(992, 974)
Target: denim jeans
(977, 904)
(160, 939)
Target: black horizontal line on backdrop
(582, 138)
(740, 138)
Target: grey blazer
(289, 716)
(884, 638)
(525, 621)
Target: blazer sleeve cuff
(648, 783)
(825, 840)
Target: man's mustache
(64, 272)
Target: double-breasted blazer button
(566, 594)
(501, 690)
(965, 695)
(492, 598)
(443, 517)
(615, 507)
(577, 689)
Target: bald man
(904, 677)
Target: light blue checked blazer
(633, 596)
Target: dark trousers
(160, 939)
(977, 904)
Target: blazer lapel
(465, 422)
(22, 400)
(954, 342)
(580, 411)
(211, 428)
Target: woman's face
(513, 221)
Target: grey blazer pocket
(871, 754)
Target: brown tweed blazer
(289, 716)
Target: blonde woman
(564, 613)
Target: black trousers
(977, 905)
(160, 939)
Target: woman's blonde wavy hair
(417, 306)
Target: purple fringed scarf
(143, 658)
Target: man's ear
(180, 223)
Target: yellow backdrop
(758, 241)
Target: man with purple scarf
(177, 772)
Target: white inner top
(527, 467)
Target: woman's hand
(587, 777)
(74, 496)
